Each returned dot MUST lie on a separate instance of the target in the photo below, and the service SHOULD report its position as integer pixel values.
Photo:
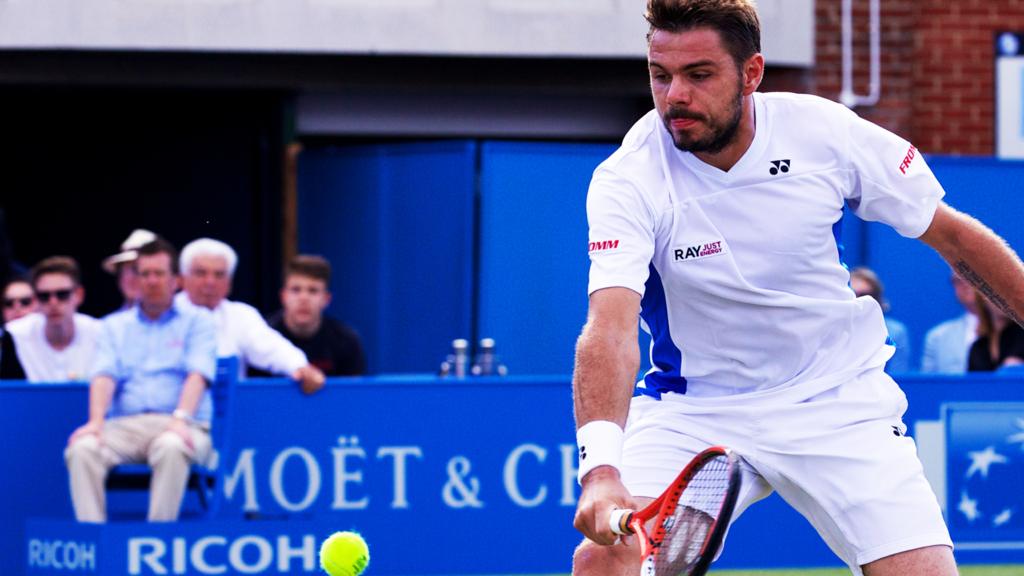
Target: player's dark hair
(160, 246)
(735, 20)
(57, 265)
(309, 265)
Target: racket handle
(619, 521)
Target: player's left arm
(981, 257)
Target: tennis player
(715, 223)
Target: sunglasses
(24, 301)
(46, 295)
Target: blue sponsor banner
(470, 476)
(62, 547)
(985, 451)
(418, 465)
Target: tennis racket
(690, 517)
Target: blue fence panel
(396, 222)
(533, 250)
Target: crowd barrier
(447, 476)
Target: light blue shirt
(900, 361)
(947, 344)
(150, 359)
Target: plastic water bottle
(486, 363)
(457, 363)
(460, 357)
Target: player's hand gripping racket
(690, 517)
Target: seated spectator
(121, 265)
(865, 282)
(946, 345)
(148, 398)
(19, 299)
(208, 267)
(1000, 340)
(330, 345)
(55, 344)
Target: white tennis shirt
(740, 272)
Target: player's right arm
(607, 360)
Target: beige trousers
(141, 438)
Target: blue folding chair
(207, 481)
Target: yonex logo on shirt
(696, 251)
(603, 245)
(779, 166)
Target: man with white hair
(207, 268)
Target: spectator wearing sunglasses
(19, 299)
(55, 344)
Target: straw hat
(129, 249)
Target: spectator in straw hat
(121, 265)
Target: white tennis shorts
(839, 457)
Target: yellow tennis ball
(344, 554)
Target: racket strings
(687, 529)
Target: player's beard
(720, 134)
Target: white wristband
(600, 444)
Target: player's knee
(592, 559)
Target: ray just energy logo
(698, 250)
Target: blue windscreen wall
(396, 222)
(533, 250)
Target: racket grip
(619, 521)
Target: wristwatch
(182, 415)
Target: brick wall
(937, 68)
(954, 104)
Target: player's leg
(842, 460)
(931, 560)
